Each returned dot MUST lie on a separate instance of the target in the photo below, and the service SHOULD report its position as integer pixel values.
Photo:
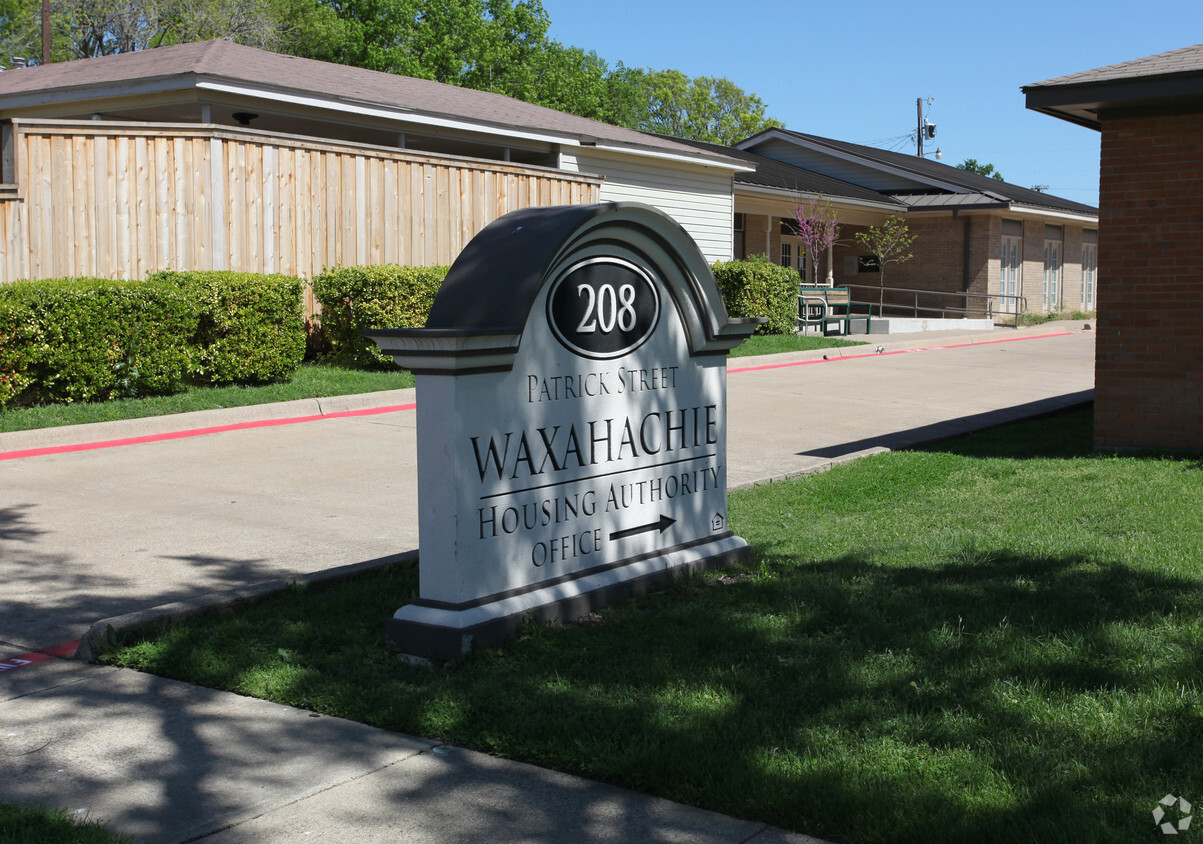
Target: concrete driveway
(90, 534)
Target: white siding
(836, 168)
(700, 198)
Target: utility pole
(919, 131)
(925, 129)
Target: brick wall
(939, 263)
(1149, 358)
(756, 234)
(984, 239)
(1031, 273)
(939, 250)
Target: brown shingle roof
(1182, 60)
(184, 64)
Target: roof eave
(1040, 211)
(1081, 102)
(363, 108)
(977, 206)
(97, 91)
(724, 163)
(890, 205)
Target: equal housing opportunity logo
(1164, 807)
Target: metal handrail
(986, 308)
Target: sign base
(432, 630)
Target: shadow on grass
(990, 696)
(1006, 698)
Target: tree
(569, 79)
(702, 109)
(816, 227)
(971, 164)
(20, 29)
(502, 46)
(889, 244)
(89, 28)
(483, 44)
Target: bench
(822, 307)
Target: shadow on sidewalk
(954, 427)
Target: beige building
(214, 155)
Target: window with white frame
(1010, 287)
(1052, 269)
(1090, 257)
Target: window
(791, 251)
(792, 256)
(1009, 274)
(1010, 266)
(1052, 275)
(739, 245)
(1090, 256)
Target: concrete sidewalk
(92, 534)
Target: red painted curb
(342, 414)
(63, 651)
(198, 432)
(897, 352)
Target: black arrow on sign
(661, 525)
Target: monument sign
(571, 391)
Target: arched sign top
(494, 283)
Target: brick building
(1149, 357)
(975, 235)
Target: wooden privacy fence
(121, 200)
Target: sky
(853, 71)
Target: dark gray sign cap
(483, 305)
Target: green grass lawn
(771, 344)
(997, 638)
(310, 381)
(38, 825)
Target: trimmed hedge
(354, 299)
(251, 328)
(67, 340)
(758, 288)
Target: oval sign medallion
(603, 308)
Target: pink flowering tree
(816, 226)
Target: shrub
(251, 327)
(355, 299)
(758, 288)
(66, 340)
